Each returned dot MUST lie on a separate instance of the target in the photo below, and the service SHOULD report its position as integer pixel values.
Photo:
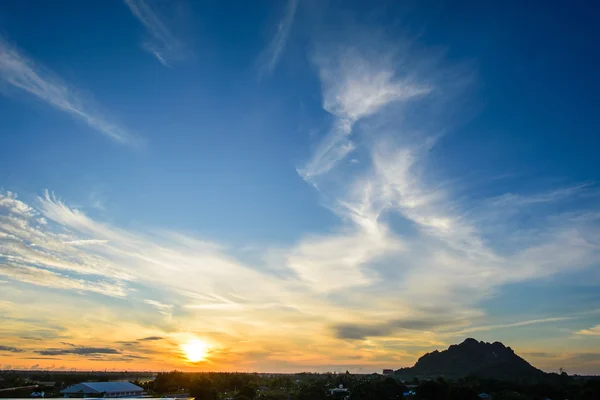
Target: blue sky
(391, 177)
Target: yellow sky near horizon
(84, 336)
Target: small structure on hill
(103, 389)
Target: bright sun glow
(195, 350)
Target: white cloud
(158, 305)
(10, 202)
(593, 331)
(272, 53)
(23, 73)
(333, 148)
(164, 46)
(334, 262)
(355, 86)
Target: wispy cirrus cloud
(23, 73)
(163, 45)
(42, 255)
(519, 200)
(165, 309)
(393, 100)
(33, 253)
(355, 86)
(42, 277)
(270, 56)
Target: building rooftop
(102, 387)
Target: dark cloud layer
(362, 331)
(11, 349)
(78, 351)
(127, 343)
(149, 338)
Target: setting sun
(195, 350)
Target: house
(388, 372)
(103, 389)
(339, 391)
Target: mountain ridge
(472, 357)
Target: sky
(297, 185)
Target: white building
(341, 390)
(103, 389)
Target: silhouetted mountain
(487, 360)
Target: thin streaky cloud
(163, 45)
(42, 277)
(270, 56)
(515, 200)
(160, 58)
(23, 73)
(510, 325)
(86, 241)
(158, 305)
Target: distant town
(471, 370)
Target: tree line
(242, 386)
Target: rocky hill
(471, 357)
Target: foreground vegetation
(308, 386)
(375, 387)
